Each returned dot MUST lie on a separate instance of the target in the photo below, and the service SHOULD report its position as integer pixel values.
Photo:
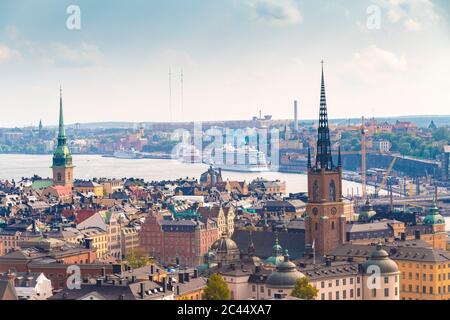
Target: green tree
(304, 290)
(137, 258)
(217, 288)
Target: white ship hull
(128, 155)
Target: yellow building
(424, 273)
(89, 187)
(99, 240)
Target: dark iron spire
(339, 157)
(309, 157)
(323, 158)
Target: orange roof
(62, 190)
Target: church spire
(309, 157)
(339, 157)
(323, 159)
(61, 131)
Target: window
(431, 290)
(322, 296)
(344, 282)
(337, 295)
(358, 292)
(351, 293)
(344, 294)
(386, 292)
(332, 191)
(332, 225)
(374, 293)
(431, 277)
(337, 282)
(322, 284)
(410, 288)
(358, 280)
(396, 291)
(386, 280)
(315, 192)
(424, 289)
(330, 296)
(351, 280)
(262, 289)
(253, 288)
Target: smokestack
(295, 116)
(142, 293)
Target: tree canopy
(217, 288)
(304, 290)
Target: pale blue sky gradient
(237, 55)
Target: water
(90, 166)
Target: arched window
(332, 191)
(315, 192)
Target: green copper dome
(433, 216)
(285, 275)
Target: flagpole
(314, 252)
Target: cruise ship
(128, 154)
(244, 159)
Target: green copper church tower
(62, 159)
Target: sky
(382, 58)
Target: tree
(304, 290)
(137, 258)
(217, 288)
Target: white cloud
(374, 59)
(8, 54)
(414, 14)
(277, 12)
(12, 32)
(86, 55)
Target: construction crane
(363, 157)
(386, 175)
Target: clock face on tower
(315, 211)
(333, 211)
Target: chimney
(150, 277)
(164, 284)
(152, 269)
(186, 277)
(103, 272)
(328, 263)
(99, 282)
(195, 273)
(88, 243)
(181, 278)
(417, 234)
(133, 279)
(295, 116)
(142, 292)
(178, 290)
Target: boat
(128, 154)
(241, 159)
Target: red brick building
(184, 240)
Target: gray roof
(264, 241)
